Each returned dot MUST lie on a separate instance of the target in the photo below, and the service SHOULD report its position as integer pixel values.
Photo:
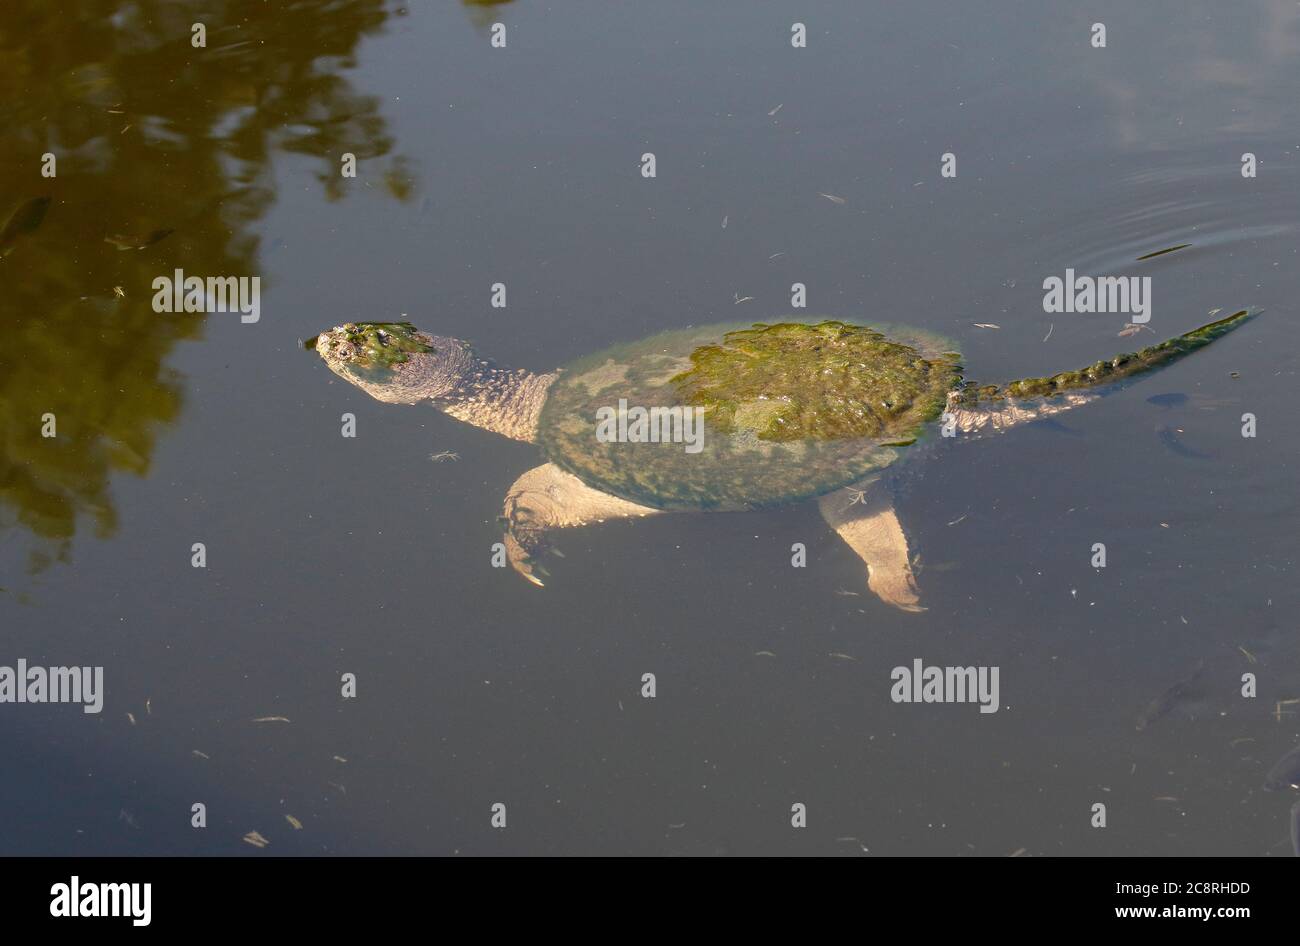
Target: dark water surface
(477, 165)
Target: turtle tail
(1112, 371)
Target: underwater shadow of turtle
(799, 411)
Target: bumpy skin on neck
(502, 401)
(439, 369)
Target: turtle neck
(504, 401)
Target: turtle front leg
(864, 517)
(547, 498)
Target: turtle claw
(545, 500)
(895, 587)
(521, 552)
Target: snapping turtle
(725, 417)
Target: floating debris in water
(255, 838)
(293, 822)
(740, 300)
(339, 758)
(775, 110)
(1168, 249)
(442, 455)
(985, 325)
(724, 222)
(1050, 329)
(839, 656)
(1295, 829)
(832, 198)
(1166, 701)
(201, 755)
(126, 816)
(764, 653)
(1169, 437)
(271, 719)
(138, 242)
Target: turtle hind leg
(547, 498)
(863, 516)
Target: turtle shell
(745, 416)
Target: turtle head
(394, 362)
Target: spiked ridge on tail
(1112, 371)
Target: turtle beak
(332, 347)
(322, 342)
